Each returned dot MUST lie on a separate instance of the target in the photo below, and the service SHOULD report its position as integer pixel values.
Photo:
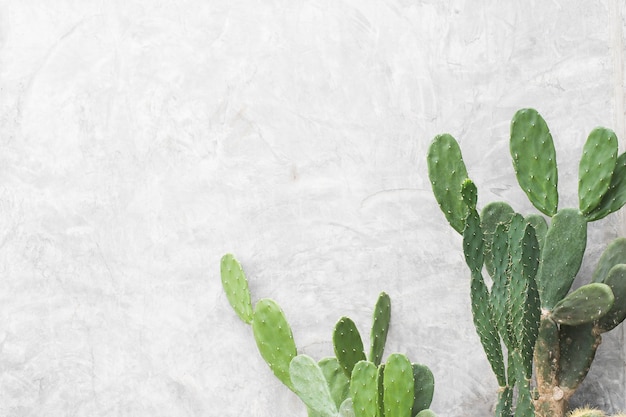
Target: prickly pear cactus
(530, 308)
(590, 412)
(344, 386)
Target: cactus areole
(547, 329)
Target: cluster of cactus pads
(350, 384)
(533, 260)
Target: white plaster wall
(141, 140)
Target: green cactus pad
(491, 216)
(584, 305)
(426, 413)
(500, 289)
(596, 168)
(338, 383)
(562, 255)
(538, 222)
(616, 280)
(482, 310)
(236, 287)
(614, 254)
(534, 160)
(424, 387)
(485, 327)
(505, 402)
(447, 172)
(347, 408)
(380, 328)
(469, 193)
(523, 296)
(348, 345)
(473, 243)
(398, 386)
(310, 385)
(578, 348)
(274, 338)
(524, 406)
(615, 197)
(364, 389)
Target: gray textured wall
(141, 140)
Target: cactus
(398, 385)
(310, 385)
(590, 412)
(534, 160)
(364, 389)
(447, 172)
(347, 344)
(274, 338)
(424, 388)
(537, 267)
(380, 328)
(596, 168)
(342, 386)
(338, 383)
(236, 287)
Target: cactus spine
(348, 385)
(533, 263)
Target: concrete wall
(141, 140)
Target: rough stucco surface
(141, 140)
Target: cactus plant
(533, 263)
(590, 412)
(348, 385)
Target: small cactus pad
(473, 244)
(380, 328)
(236, 287)
(614, 254)
(490, 217)
(310, 385)
(338, 383)
(398, 386)
(617, 281)
(615, 197)
(364, 389)
(534, 160)
(348, 345)
(469, 193)
(562, 255)
(482, 310)
(578, 348)
(274, 338)
(596, 168)
(347, 408)
(426, 413)
(538, 222)
(447, 172)
(584, 305)
(424, 387)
